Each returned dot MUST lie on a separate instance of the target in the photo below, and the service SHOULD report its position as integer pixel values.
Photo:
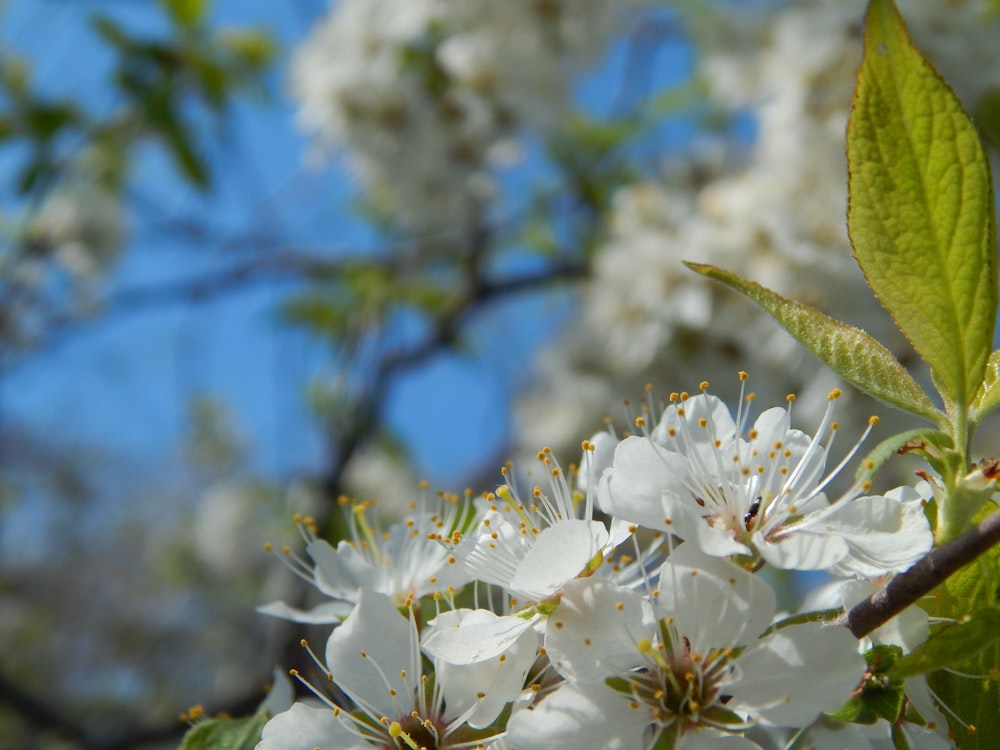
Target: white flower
(83, 227)
(698, 663)
(531, 548)
(404, 562)
(374, 658)
(760, 494)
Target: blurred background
(256, 256)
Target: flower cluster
(426, 97)
(770, 209)
(616, 605)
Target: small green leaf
(988, 397)
(185, 13)
(111, 32)
(975, 587)
(921, 214)
(881, 695)
(952, 645)
(255, 47)
(849, 351)
(225, 734)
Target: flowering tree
(620, 602)
(705, 573)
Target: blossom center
(682, 688)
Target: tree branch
(907, 588)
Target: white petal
(919, 694)
(594, 462)
(579, 717)
(642, 473)
(478, 637)
(884, 534)
(703, 406)
(713, 602)
(594, 631)
(802, 549)
(498, 680)
(792, 675)
(922, 738)
(333, 576)
(560, 553)
(322, 614)
(368, 651)
(646, 486)
(304, 727)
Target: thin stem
(907, 588)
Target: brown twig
(907, 588)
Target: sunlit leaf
(254, 47)
(849, 351)
(952, 645)
(225, 734)
(921, 207)
(186, 13)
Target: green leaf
(849, 351)
(225, 734)
(988, 397)
(111, 32)
(952, 645)
(920, 214)
(881, 695)
(185, 13)
(162, 116)
(987, 116)
(255, 47)
(975, 701)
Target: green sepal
(823, 615)
(921, 213)
(225, 734)
(849, 351)
(619, 685)
(932, 444)
(881, 696)
(899, 741)
(952, 645)
(988, 397)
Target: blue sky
(126, 381)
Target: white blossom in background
(53, 256)
(83, 229)
(377, 471)
(772, 210)
(426, 98)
